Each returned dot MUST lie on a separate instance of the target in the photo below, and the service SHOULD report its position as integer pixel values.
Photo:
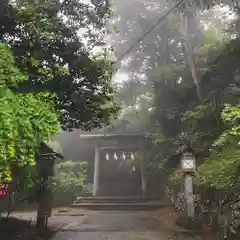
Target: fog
(135, 67)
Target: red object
(3, 190)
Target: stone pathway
(132, 235)
(77, 224)
(117, 225)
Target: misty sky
(122, 75)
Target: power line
(151, 29)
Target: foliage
(26, 119)
(183, 120)
(231, 116)
(53, 43)
(133, 118)
(221, 170)
(211, 127)
(70, 179)
(175, 177)
(180, 119)
(206, 4)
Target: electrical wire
(151, 29)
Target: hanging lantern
(132, 156)
(134, 168)
(124, 156)
(107, 157)
(115, 156)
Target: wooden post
(96, 172)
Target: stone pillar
(189, 195)
(143, 177)
(96, 172)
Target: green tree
(69, 180)
(182, 119)
(54, 44)
(221, 170)
(206, 4)
(133, 118)
(26, 119)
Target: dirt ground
(17, 229)
(169, 216)
(21, 225)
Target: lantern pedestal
(188, 182)
(188, 167)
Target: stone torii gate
(115, 143)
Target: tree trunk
(184, 19)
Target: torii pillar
(96, 172)
(143, 177)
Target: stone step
(152, 205)
(136, 199)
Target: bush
(189, 223)
(69, 181)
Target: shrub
(69, 181)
